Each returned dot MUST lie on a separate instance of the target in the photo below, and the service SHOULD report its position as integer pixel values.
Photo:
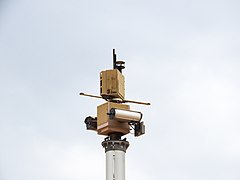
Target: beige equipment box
(105, 125)
(112, 84)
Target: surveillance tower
(115, 119)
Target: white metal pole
(115, 165)
(115, 158)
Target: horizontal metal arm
(136, 102)
(90, 95)
(123, 101)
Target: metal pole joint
(111, 145)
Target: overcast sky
(181, 55)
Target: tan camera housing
(112, 84)
(105, 125)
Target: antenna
(114, 59)
(115, 119)
(117, 64)
(120, 101)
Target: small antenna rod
(114, 59)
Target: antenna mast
(115, 119)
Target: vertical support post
(115, 158)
